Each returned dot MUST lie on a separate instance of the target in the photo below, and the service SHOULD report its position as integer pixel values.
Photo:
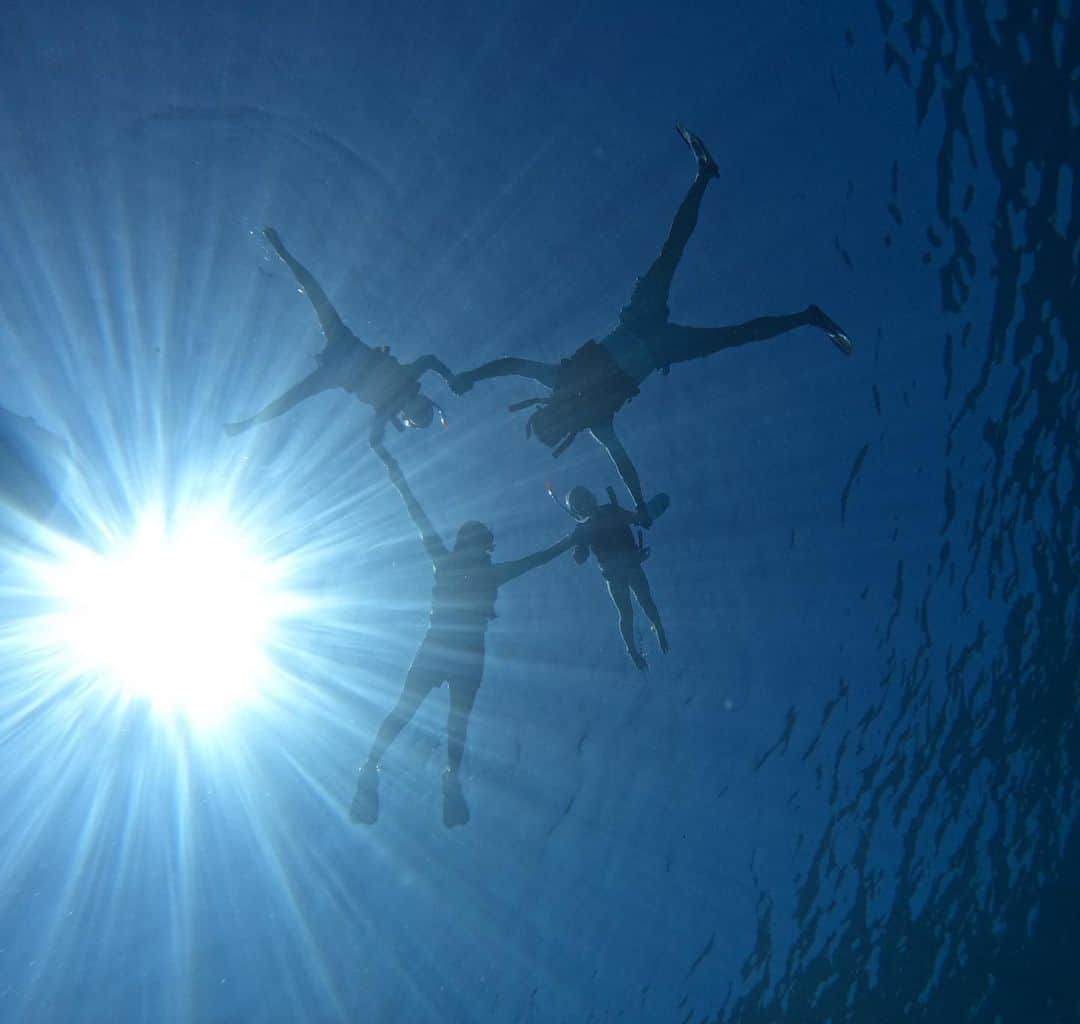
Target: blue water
(849, 793)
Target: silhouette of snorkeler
(606, 531)
(371, 374)
(589, 387)
(462, 604)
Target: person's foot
(365, 805)
(836, 334)
(706, 164)
(661, 638)
(455, 810)
(638, 659)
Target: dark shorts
(448, 655)
(623, 572)
(344, 354)
(647, 308)
(643, 349)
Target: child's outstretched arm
(433, 543)
(506, 571)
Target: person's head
(418, 411)
(581, 503)
(474, 538)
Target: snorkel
(581, 547)
(550, 488)
(577, 496)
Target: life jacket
(590, 388)
(611, 539)
(463, 596)
(371, 374)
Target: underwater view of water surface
(540, 512)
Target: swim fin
(365, 805)
(706, 164)
(835, 333)
(661, 638)
(455, 809)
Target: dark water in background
(966, 757)
(850, 791)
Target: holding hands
(460, 383)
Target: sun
(182, 614)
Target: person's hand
(460, 383)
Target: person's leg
(648, 302)
(639, 583)
(673, 343)
(312, 384)
(620, 597)
(463, 689)
(422, 678)
(329, 320)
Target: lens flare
(183, 614)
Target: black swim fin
(365, 805)
(455, 809)
(706, 164)
(835, 333)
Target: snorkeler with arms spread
(462, 604)
(606, 531)
(589, 387)
(371, 374)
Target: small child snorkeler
(606, 531)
